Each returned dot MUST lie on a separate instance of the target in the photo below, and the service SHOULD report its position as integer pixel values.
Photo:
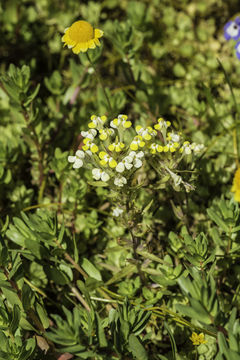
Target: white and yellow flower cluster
(114, 157)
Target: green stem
(101, 83)
(42, 178)
(135, 244)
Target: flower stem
(101, 83)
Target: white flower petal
(71, 159)
(128, 166)
(96, 173)
(128, 159)
(84, 133)
(140, 154)
(80, 154)
(120, 167)
(233, 30)
(112, 125)
(93, 132)
(78, 163)
(137, 163)
(132, 154)
(117, 211)
(105, 176)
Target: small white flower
(90, 134)
(124, 164)
(136, 156)
(99, 174)
(104, 176)
(137, 163)
(90, 70)
(175, 138)
(120, 181)
(162, 124)
(97, 122)
(146, 133)
(128, 159)
(197, 147)
(186, 148)
(139, 154)
(117, 211)
(120, 167)
(96, 173)
(122, 121)
(77, 160)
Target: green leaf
(173, 343)
(222, 343)
(61, 233)
(11, 296)
(24, 324)
(136, 348)
(16, 314)
(145, 210)
(143, 317)
(84, 290)
(129, 269)
(91, 270)
(32, 96)
(27, 297)
(194, 313)
(100, 332)
(56, 275)
(43, 316)
(213, 216)
(14, 235)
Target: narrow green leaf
(16, 314)
(145, 210)
(42, 315)
(56, 275)
(11, 296)
(100, 332)
(213, 216)
(129, 269)
(27, 297)
(32, 96)
(193, 313)
(172, 340)
(136, 348)
(61, 233)
(222, 343)
(91, 270)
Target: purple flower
(237, 47)
(232, 29)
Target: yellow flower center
(81, 31)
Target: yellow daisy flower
(236, 185)
(81, 36)
(198, 339)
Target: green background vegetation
(69, 280)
